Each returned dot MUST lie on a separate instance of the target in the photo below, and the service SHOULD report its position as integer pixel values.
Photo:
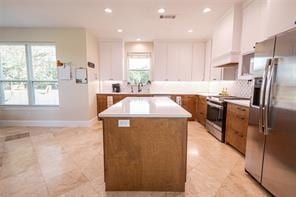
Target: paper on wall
(65, 72)
(81, 75)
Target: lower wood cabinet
(188, 102)
(237, 126)
(117, 98)
(101, 103)
(201, 109)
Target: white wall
(74, 98)
(92, 53)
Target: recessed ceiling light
(190, 31)
(108, 10)
(161, 10)
(139, 39)
(119, 30)
(206, 10)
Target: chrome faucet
(140, 85)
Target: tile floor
(69, 162)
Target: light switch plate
(123, 123)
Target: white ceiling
(137, 18)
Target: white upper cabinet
(173, 62)
(280, 15)
(111, 60)
(226, 38)
(117, 61)
(252, 25)
(261, 20)
(198, 62)
(178, 61)
(208, 59)
(264, 18)
(105, 56)
(159, 68)
(185, 58)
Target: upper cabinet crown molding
(227, 37)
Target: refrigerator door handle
(268, 94)
(262, 96)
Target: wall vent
(167, 16)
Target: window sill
(28, 107)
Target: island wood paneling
(150, 155)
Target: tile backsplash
(240, 88)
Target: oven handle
(214, 105)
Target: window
(28, 74)
(138, 65)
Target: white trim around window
(30, 82)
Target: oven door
(215, 119)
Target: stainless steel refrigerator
(271, 139)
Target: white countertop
(148, 107)
(245, 103)
(160, 93)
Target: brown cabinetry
(117, 98)
(189, 103)
(237, 126)
(201, 109)
(101, 103)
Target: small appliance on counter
(116, 87)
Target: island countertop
(147, 107)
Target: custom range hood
(226, 39)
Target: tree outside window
(138, 67)
(28, 74)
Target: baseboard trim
(48, 123)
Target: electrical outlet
(123, 123)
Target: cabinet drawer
(237, 126)
(237, 140)
(236, 122)
(240, 111)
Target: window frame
(30, 76)
(138, 53)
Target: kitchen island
(145, 145)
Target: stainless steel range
(216, 115)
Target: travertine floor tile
(84, 190)
(66, 182)
(69, 162)
(7, 131)
(29, 182)
(51, 166)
